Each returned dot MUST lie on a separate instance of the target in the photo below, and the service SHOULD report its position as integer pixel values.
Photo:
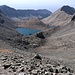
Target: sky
(51, 5)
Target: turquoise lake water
(27, 32)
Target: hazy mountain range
(24, 14)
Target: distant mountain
(24, 14)
(60, 17)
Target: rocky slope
(7, 29)
(12, 63)
(24, 14)
(60, 45)
(60, 17)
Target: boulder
(40, 35)
(6, 65)
(73, 18)
(38, 57)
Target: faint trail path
(5, 50)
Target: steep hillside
(24, 14)
(60, 17)
(60, 45)
(6, 25)
(6, 22)
(7, 30)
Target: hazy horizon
(51, 5)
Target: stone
(2, 58)
(56, 71)
(51, 70)
(71, 71)
(21, 69)
(40, 35)
(38, 57)
(12, 67)
(17, 64)
(6, 65)
(63, 71)
(48, 65)
(32, 67)
(34, 72)
(14, 70)
(54, 74)
(46, 73)
(22, 73)
(23, 62)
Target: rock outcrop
(69, 10)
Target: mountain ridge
(69, 10)
(24, 14)
(60, 17)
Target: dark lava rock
(73, 18)
(71, 71)
(6, 66)
(38, 57)
(56, 71)
(51, 70)
(40, 35)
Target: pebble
(21, 73)
(34, 72)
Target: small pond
(27, 32)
